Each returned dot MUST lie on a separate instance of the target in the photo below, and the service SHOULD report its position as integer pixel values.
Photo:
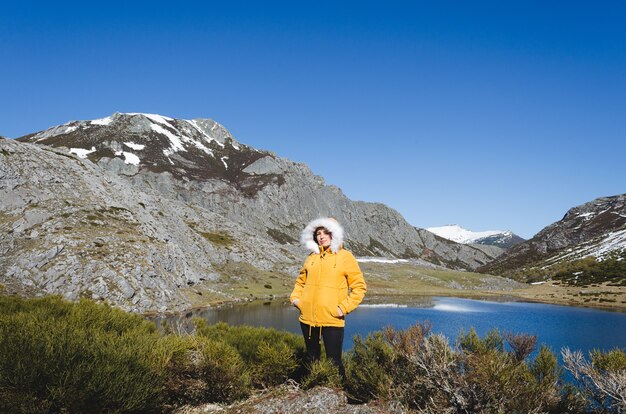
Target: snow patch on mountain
(102, 121)
(81, 152)
(177, 144)
(209, 138)
(179, 131)
(154, 117)
(599, 248)
(57, 130)
(129, 157)
(136, 147)
(458, 234)
(380, 260)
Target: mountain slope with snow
(456, 233)
(206, 166)
(596, 230)
(198, 149)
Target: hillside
(586, 246)
(153, 213)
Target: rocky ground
(289, 398)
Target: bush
(57, 356)
(275, 364)
(368, 367)
(322, 373)
(501, 381)
(424, 373)
(203, 370)
(472, 343)
(602, 382)
(271, 355)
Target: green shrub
(501, 381)
(275, 364)
(471, 342)
(611, 361)
(271, 355)
(590, 270)
(322, 373)
(368, 367)
(57, 356)
(202, 370)
(425, 372)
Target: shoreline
(407, 298)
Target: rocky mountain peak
(198, 149)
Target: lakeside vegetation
(584, 272)
(245, 282)
(85, 357)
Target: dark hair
(325, 230)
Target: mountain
(586, 236)
(498, 238)
(153, 213)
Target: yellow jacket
(323, 284)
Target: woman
(321, 291)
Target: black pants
(333, 342)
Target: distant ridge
(456, 233)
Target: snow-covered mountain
(456, 233)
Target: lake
(556, 326)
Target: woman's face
(323, 237)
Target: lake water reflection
(555, 326)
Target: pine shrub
(368, 366)
(202, 370)
(57, 356)
(275, 363)
(501, 381)
(322, 373)
(271, 355)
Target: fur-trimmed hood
(332, 225)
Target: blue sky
(492, 115)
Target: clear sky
(491, 115)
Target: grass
(220, 239)
(244, 281)
(407, 279)
(402, 283)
